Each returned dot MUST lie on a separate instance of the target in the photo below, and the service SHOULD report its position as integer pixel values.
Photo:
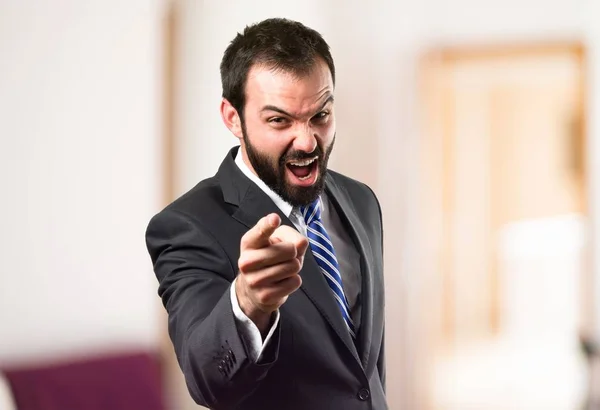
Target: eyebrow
(279, 110)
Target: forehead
(268, 86)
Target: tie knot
(312, 211)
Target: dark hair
(278, 43)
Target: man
(271, 271)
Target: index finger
(258, 236)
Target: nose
(305, 140)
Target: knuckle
(294, 283)
(295, 265)
(289, 250)
(252, 282)
(243, 263)
(291, 284)
(284, 268)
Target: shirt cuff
(248, 330)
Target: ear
(231, 118)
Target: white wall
(80, 175)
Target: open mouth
(303, 172)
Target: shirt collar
(285, 207)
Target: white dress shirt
(346, 253)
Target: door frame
(436, 158)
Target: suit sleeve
(249, 331)
(381, 359)
(195, 276)
(381, 362)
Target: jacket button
(364, 394)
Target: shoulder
(364, 202)
(361, 194)
(201, 205)
(206, 196)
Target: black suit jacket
(312, 362)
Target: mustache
(300, 155)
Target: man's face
(288, 130)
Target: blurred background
(477, 123)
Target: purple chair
(116, 382)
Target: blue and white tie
(322, 249)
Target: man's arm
(194, 277)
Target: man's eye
(277, 120)
(321, 116)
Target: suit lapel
(250, 201)
(349, 216)
(255, 205)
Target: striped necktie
(322, 249)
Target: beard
(272, 171)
